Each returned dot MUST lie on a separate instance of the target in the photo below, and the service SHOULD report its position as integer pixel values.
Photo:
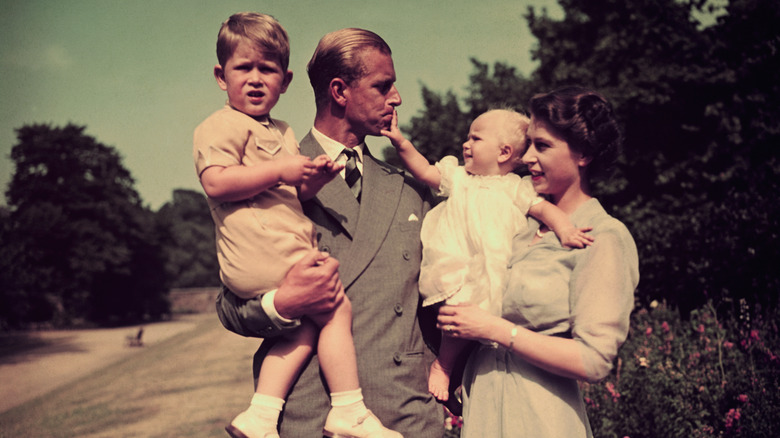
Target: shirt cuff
(281, 323)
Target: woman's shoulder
(593, 214)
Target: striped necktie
(352, 173)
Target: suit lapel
(382, 187)
(367, 223)
(335, 198)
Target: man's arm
(311, 286)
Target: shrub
(706, 376)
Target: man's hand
(311, 286)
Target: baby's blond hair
(514, 126)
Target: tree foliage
(188, 240)
(698, 177)
(79, 247)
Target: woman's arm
(556, 355)
(602, 296)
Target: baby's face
(253, 79)
(483, 146)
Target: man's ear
(339, 91)
(286, 81)
(219, 75)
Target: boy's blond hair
(261, 30)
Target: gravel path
(34, 363)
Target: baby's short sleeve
(526, 196)
(448, 168)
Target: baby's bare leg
(441, 368)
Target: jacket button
(406, 255)
(399, 309)
(397, 358)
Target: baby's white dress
(467, 239)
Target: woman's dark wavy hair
(585, 120)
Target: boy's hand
(323, 172)
(394, 134)
(295, 170)
(575, 237)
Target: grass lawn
(191, 384)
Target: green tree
(80, 245)
(698, 179)
(188, 242)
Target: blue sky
(138, 73)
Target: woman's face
(555, 168)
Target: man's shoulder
(408, 179)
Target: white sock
(266, 407)
(348, 402)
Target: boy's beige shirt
(258, 239)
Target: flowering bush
(700, 377)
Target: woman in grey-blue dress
(565, 311)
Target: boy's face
(483, 146)
(253, 79)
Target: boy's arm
(324, 171)
(559, 222)
(417, 164)
(236, 183)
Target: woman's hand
(467, 321)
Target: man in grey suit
(369, 222)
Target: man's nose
(394, 98)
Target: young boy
(251, 170)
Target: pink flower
(743, 398)
(612, 391)
(665, 326)
(732, 416)
(701, 328)
(754, 334)
(648, 331)
(728, 345)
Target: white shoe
(246, 425)
(366, 426)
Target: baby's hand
(294, 170)
(394, 134)
(576, 237)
